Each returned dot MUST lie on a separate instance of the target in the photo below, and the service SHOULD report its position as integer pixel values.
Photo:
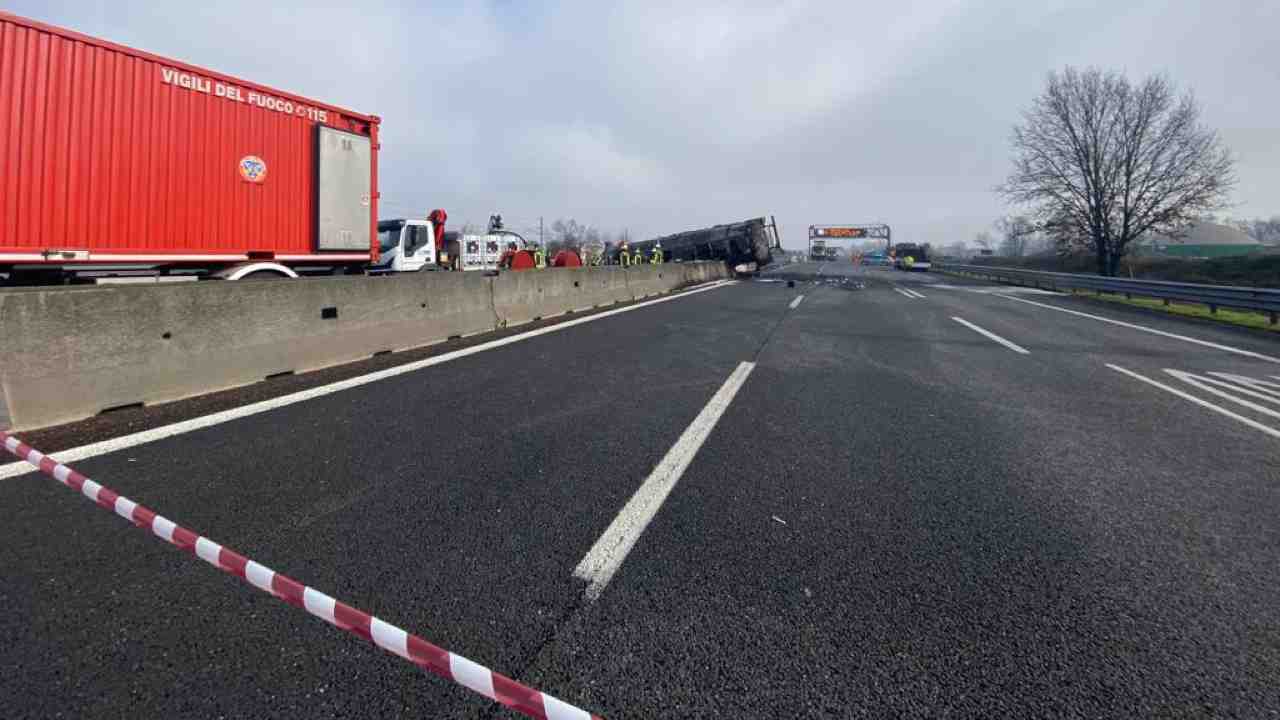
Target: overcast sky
(660, 117)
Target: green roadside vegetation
(1245, 318)
(1260, 269)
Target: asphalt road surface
(875, 495)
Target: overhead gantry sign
(819, 235)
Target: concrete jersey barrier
(521, 297)
(73, 353)
(605, 286)
(649, 280)
(70, 353)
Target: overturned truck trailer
(745, 246)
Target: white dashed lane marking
(992, 336)
(606, 556)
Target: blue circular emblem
(253, 168)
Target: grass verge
(1244, 318)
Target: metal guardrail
(1265, 300)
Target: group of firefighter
(628, 257)
(624, 255)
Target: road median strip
(1199, 401)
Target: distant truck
(122, 165)
(820, 251)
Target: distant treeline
(1256, 270)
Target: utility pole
(540, 232)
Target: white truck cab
(405, 245)
(408, 245)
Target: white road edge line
(992, 336)
(1200, 382)
(902, 292)
(796, 303)
(1203, 403)
(1153, 331)
(605, 557)
(186, 426)
(915, 294)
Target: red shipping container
(113, 155)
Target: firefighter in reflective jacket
(656, 257)
(624, 256)
(540, 257)
(637, 258)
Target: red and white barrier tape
(447, 665)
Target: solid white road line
(796, 303)
(1153, 331)
(186, 426)
(913, 293)
(902, 292)
(1256, 388)
(990, 335)
(1203, 403)
(1202, 383)
(1263, 386)
(605, 557)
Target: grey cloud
(657, 117)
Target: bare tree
(983, 240)
(565, 233)
(1101, 162)
(1266, 232)
(1015, 231)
